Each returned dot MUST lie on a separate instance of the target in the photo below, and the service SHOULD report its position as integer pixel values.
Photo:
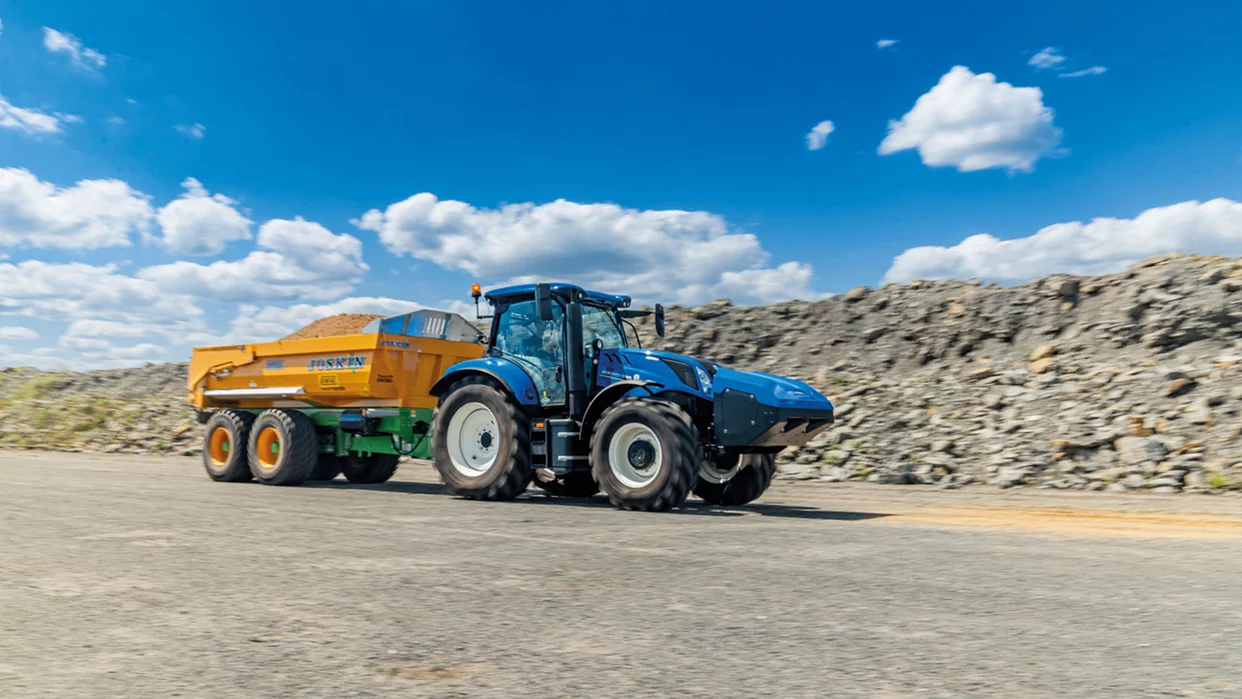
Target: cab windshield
(599, 323)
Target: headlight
(783, 393)
(705, 381)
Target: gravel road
(137, 577)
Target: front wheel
(481, 442)
(645, 454)
(735, 479)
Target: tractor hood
(777, 391)
(750, 410)
(707, 379)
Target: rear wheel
(576, 484)
(283, 449)
(481, 441)
(376, 468)
(735, 479)
(224, 446)
(645, 454)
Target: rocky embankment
(1128, 381)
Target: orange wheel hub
(219, 446)
(268, 447)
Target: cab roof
(520, 291)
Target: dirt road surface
(137, 577)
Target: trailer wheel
(735, 479)
(283, 448)
(376, 468)
(224, 446)
(645, 454)
(327, 467)
(575, 484)
(481, 441)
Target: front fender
(607, 396)
(508, 374)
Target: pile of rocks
(1116, 382)
(124, 410)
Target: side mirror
(543, 301)
(659, 320)
(597, 346)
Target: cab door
(536, 346)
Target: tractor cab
(532, 325)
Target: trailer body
(366, 393)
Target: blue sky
(316, 113)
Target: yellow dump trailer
(350, 403)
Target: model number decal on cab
(353, 361)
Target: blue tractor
(566, 398)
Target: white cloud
(886, 43)
(58, 42)
(199, 223)
(88, 328)
(272, 322)
(1093, 70)
(972, 122)
(673, 256)
(87, 356)
(1052, 58)
(75, 290)
(818, 137)
(300, 260)
(28, 121)
(1, 27)
(143, 351)
(1104, 245)
(17, 332)
(195, 131)
(115, 121)
(1046, 58)
(90, 214)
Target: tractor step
(556, 445)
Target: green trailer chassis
(407, 433)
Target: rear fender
(504, 372)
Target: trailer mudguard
(509, 375)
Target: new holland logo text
(334, 363)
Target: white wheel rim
(634, 455)
(710, 472)
(473, 436)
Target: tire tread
(684, 472)
(517, 474)
(298, 442)
(238, 423)
(751, 480)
